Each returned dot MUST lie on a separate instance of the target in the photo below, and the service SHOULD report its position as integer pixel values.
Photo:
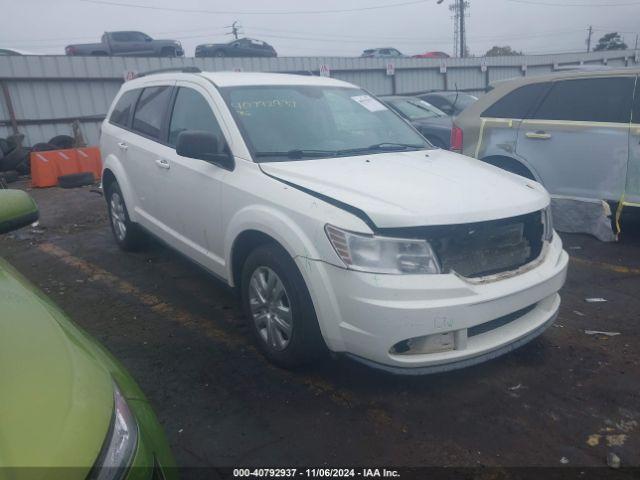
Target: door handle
(538, 135)
(162, 163)
(123, 146)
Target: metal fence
(40, 96)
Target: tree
(496, 51)
(611, 41)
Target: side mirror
(204, 146)
(17, 210)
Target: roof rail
(171, 69)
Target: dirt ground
(567, 398)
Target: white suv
(342, 227)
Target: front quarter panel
(255, 201)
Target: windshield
(300, 122)
(416, 109)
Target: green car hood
(56, 395)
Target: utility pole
(463, 44)
(235, 29)
(590, 31)
(636, 47)
(459, 7)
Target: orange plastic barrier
(46, 167)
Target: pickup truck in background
(129, 44)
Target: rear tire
(278, 308)
(127, 234)
(43, 147)
(75, 180)
(62, 141)
(9, 177)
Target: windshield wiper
(297, 154)
(383, 147)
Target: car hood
(404, 189)
(57, 398)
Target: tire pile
(15, 158)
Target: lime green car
(67, 407)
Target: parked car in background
(67, 405)
(243, 47)
(432, 55)
(13, 51)
(129, 44)
(575, 132)
(432, 123)
(385, 52)
(342, 228)
(451, 103)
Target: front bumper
(364, 315)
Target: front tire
(127, 234)
(279, 309)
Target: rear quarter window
(517, 103)
(121, 113)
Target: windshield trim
(255, 155)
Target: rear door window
(121, 114)
(518, 103)
(150, 111)
(589, 100)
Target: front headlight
(120, 445)
(369, 253)
(547, 218)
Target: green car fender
(58, 384)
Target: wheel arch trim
(113, 166)
(514, 158)
(272, 223)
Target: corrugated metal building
(47, 93)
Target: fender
(272, 222)
(299, 246)
(114, 165)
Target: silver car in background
(577, 133)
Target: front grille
(482, 248)
(499, 322)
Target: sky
(313, 28)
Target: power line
(255, 12)
(301, 35)
(550, 4)
(34, 41)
